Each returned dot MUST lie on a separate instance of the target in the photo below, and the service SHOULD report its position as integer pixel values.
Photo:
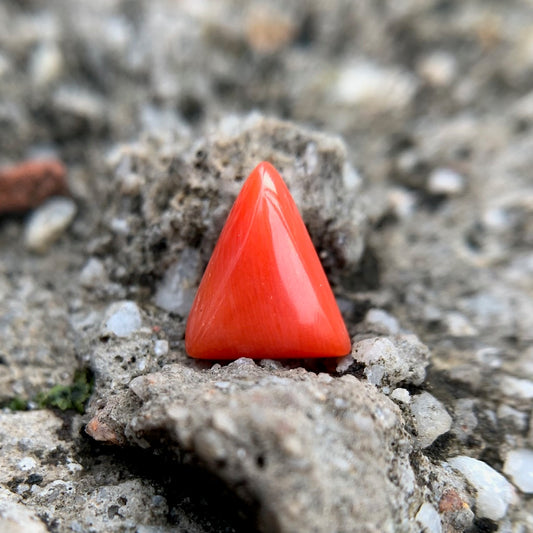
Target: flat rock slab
(315, 453)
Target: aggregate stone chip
(431, 418)
(519, 467)
(48, 222)
(494, 492)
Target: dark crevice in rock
(190, 490)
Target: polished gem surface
(264, 293)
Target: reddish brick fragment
(28, 184)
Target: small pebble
(438, 68)
(176, 291)
(459, 326)
(120, 226)
(429, 519)
(374, 353)
(465, 419)
(382, 319)
(224, 422)
(351, 178)
(519, 467)
(22, 488)
(373, 87)
(431, 418)
(122, 319)
(48, 223)
(390, 363)
(131, 184)
(344, 363)
(46, 64)
(517, 388)
(80, 102)
(451, 501)
(445, 181)
(495, 219)
(513, 417)
(493, 492)
(27, 463)
(489, 357)
(158, 500)
(160, 348)
(93, 274)
(407, 162)
(401, 202)
(400, 395)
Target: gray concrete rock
(29, 441)
(390, 361)
(171, 219)
(42, 484)
(15, 517)
(269, 433)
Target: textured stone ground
(403, 130)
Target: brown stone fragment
(28, 184)
(102, 432)
(451, 501)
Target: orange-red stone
(264, 293)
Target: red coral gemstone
(264, 293)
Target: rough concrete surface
(404, 132)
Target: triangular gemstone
(264, 293)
